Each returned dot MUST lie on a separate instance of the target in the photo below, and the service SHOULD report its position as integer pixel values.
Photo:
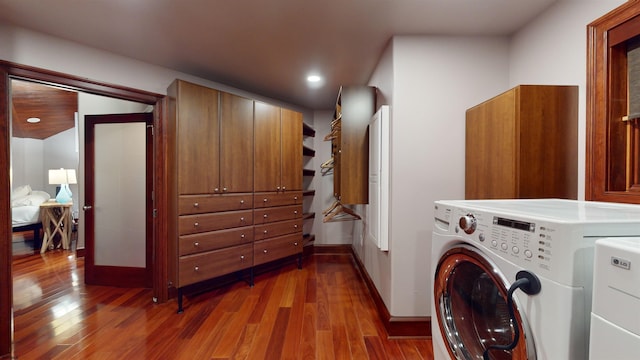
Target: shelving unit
(308, 153)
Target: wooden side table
(56, 219)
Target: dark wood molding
(8, 71)
(6, 280)
(396, 326)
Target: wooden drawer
(206, 203)
(277, 229)
(276, 248)
(268, 215)
(208, 265)
(269, 199)
(212, 240)
(191, 224)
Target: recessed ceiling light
(314, 78)
(33, 120)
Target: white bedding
(25, 205)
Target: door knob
(87, 207)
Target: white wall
(434, 80)
(552, 50)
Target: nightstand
(56, 219)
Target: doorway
(8, 71)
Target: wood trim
(13, 70)
(414, 327)
(6, 280)
(602, 34)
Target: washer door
(471, 307)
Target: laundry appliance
(615, 314)
(512, 279)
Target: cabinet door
(236, 143)
(267, 147)
(291, 123)
(491, 149)
(197, 139)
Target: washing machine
(512, 279)
(615, 314)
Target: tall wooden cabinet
(350, 143)
(230, 169)
(523, 144)
(278, 183)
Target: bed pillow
(21, 191)
(34, 199)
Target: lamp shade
(62, 176)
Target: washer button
(515, 250)
(504, 246)
(528, 253)
(481, 237)
(494, 243)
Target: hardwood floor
(322, 311)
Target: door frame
(117, 275)
(10, 70)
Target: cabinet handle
(224, 189)
(196, 244)
(264, 200)
(242, 257)
(278, 188)
(241, 202)
(295, 198)
(265, 232)
(196, 205)
(196, 224)
(295, 226)
(241, 236)
(196, 268)
(264, 216)
(284, 188)
(216, 190)
(264, 251)
(295, 212)
(295, 243)
(242, 219)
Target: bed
(25, 210)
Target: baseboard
(397, 327)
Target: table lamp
(63, 177)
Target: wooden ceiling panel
(54, 107)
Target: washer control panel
(519, 240)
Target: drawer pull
(265, 200)
(196, 224)
(241, 202)
(216, 190)
(242, 219)
(242, 257)
(264, 216)
(295, 243)
(264, 251)
(284, 188)
(196, 205)
(295, 226)
(196, 268)
(196, 244)
(295, 212)
(278, 188)
(224, 189)
(265, 232)
(241, 236)
(295, 198)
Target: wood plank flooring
(322, 311)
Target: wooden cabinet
(213, 159)
(215, 140)
(350, 143)
(523, 144)
(278, 148)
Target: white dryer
(615, 315)
(487, 253)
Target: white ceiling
(266, 46)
